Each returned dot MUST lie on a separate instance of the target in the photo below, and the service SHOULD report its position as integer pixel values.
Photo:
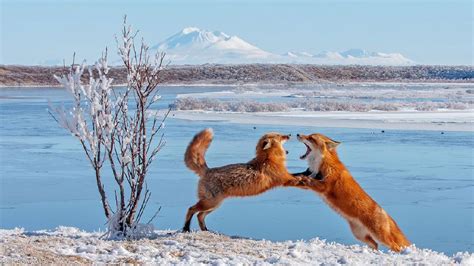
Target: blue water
(424, 179)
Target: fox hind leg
(201, 216)
(189, 215)
(389, 241)
(371, 242)
(203, 207)
(362, 234)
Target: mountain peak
(356, 52)
(197, 46)
(188, 30)
(191, 37)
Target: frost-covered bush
(125, 141)
(206, 104)
(383, 92)
(386, 106)
(443, 105)
(326, 106)
(428, 106)
(318, 105)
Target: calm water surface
(424, 179)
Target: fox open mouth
(308, 150)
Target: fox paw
(303, 181)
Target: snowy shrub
(457, 105)
(386, 107)
(206, 104)
(114, 136)
(429, 106)
(326, 106)
(318, 105)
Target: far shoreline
(241, 74)
(348, 83)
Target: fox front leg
(299, 181)
(305, 182)
(295, 181)
(316, 185)
(304, 177)
(311, 180)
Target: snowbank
(71, 245)
(459, 120)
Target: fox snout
(301, 137)
(286, 137)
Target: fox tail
(194, 156)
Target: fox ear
(332, 144)
(267, 144)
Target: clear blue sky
(429, 32)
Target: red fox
(267, 170)
(332, 181)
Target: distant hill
(256, 73)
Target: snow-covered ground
(402, 120)
(351, 90)
(414, 106)
(66, 245)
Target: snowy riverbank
(70, 245)
(454, 120)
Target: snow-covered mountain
(196, 46)
(355, 57)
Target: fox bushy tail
(194, 156)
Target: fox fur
(332, 181)
(267, 170)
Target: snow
(189, 30)
(401, 120)
(356, 53)
(198, 46)
(354, 90)
(193, 45)
(298, 54)
(235, 94)
(351, 56)
(439, 107)
(173, 247)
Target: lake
(423, 179)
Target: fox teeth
(308, 150)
